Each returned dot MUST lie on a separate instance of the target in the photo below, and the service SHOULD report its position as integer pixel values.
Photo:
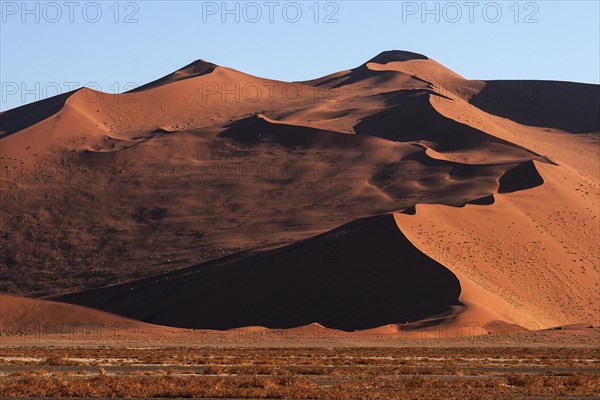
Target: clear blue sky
(53, 46)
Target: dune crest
(192, 70)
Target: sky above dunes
(47, 48)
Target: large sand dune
(361, 275)
(211, 198)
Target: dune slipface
(397, 191)
(362, 275)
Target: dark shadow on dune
(361, 275)
(162, 131)
(414, 118)
(363, 72)
(410, 211)
(396, 55)
(569, 106)
(400, 97)
(19, 118)
(483, 201)
(256, 130)
(522, 177)
(192, 70)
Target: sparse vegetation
(303, 373)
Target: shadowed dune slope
(362, 275)
(416, 119)
(396, 55)
(569, 106)
(19, 118)
(192, 70)
(523, 176)
(258, 128)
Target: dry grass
(157, 386)
(318, 373)
(291, 387)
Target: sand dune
(362, 275)
(530, 259)
(55, 317)
(197, 188)
(363, 271)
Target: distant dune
(19, 313)
(393, 193)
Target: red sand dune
(362, 275)
(197, 188)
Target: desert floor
(302, 364)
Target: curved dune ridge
(192, 70)
(518, 268)
(393, 195)
(362, 275)
(25, 116)
(366, 272)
